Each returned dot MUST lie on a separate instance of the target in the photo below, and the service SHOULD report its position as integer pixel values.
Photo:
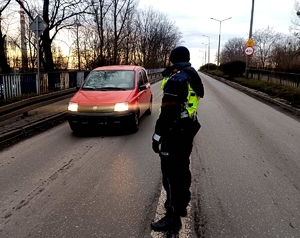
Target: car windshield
(109, 80)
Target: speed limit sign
(249, 50)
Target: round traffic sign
(249, 50)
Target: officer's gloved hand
(156, 143)
(155, 146)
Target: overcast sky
(193, 19)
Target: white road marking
(185, 231)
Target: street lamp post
(206, 63)
(219, 36)
(208, 58)
(205, 51)
(202, 60)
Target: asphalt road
(58, 185)
(245, 168)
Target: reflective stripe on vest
(163, 83)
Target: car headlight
(122, 106)
(73, 106)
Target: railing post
(280, 78)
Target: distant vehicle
(111, 96)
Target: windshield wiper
(111, 88)
(102, 89)
(88, 88)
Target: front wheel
(75, 128)
(149, 110)
(135, 122)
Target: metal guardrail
(154, 77)
(22, 107)
(285, 78)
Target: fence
(291, 79)
(14, 85)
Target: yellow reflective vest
(192, 98)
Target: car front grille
(108, 108)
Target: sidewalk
(17, 127)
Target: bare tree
(295, 19)
(89, 48)
(100, 9)
(286, 54)
(29, 54)
(233, 50)
(171, 38)
(128, 44)
(58, 15)
(121, 13)
(110, 32)
(60, 61)
(156, 37)
(265, 41)
(3, 59)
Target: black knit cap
(180, 54)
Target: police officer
(175, 130)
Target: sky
(193, 18)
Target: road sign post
(248, 51)
(38, 26)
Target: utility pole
(23, 41)
(250, 35)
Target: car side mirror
(142, 87)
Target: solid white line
(185, 231)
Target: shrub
(233, 68)
(286, 92)
(216, 72)
(209, 66)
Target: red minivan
(111, 96)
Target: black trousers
(176, 178)
(175, 160)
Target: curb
(31, 128)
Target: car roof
(119, 67)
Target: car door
(147, 90)
(142, 98)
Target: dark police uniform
(175, 130)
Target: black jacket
(175, 95)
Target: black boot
(167, 223)
(181, 211)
